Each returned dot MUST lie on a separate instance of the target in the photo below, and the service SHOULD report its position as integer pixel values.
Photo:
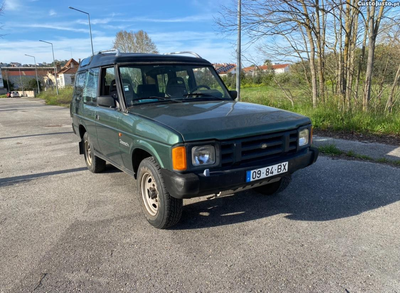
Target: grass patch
(328, 116)
(358, 156)
(330, 149)
(3, 96)
(63, 98)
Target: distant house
(18, 76)
(65, 75)
(225, 68)
(15, 64)
(277, 69)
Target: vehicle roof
(112, 59)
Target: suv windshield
(165, 82)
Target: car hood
(220, 119)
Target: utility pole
(20, 80)
(8, 81)
(90, 27)
(239, 49)
(54, 61)
(37, 80)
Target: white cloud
(94, 21)
(14, 51)
(62, 26)
(192, 18)
(52, 12)
(186, 36)
(12, 5)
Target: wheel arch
(82, 130)
(141, 153)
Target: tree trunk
(312, 57)
(390, 101)
(373, 32)
(352, 48)
(360, 63)
(346, 53)
(320, 47)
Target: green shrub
(63, 98)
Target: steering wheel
(199, 87)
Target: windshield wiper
(200, 95)
(156, 98)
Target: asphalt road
(64, 229)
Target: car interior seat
(176, 87)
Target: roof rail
(184, 52)
(116, 51)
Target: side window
(205, 78)
(108, 86)
(132, 82)
(79, 85)
(92, 83)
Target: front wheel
(274, 188)
(160, 208)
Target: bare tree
(374, 21)
(394, 41)
(289, 20)
(333, 40)
(138, 42)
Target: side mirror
(106, 101)
(233, 94)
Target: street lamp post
(239, 49)
(54, 61)
(20, 80)
(8, 81)
(37, 80)
(90, 27)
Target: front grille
(256, 148)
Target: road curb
(372, 150)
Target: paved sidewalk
(373, 150)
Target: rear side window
(92, 84)
(79, 85)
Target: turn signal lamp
(179, 158)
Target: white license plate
(266, 172)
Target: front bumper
(191, 185)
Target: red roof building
(65, 75)
(277, 68)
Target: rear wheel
(274, 188)
(93, 163)
(160, 208)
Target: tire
(93, 163)
(159, 207)
(274, 188)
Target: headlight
(304, 137)
(203, 155)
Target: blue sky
(175, 25)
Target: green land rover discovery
(169, 121)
